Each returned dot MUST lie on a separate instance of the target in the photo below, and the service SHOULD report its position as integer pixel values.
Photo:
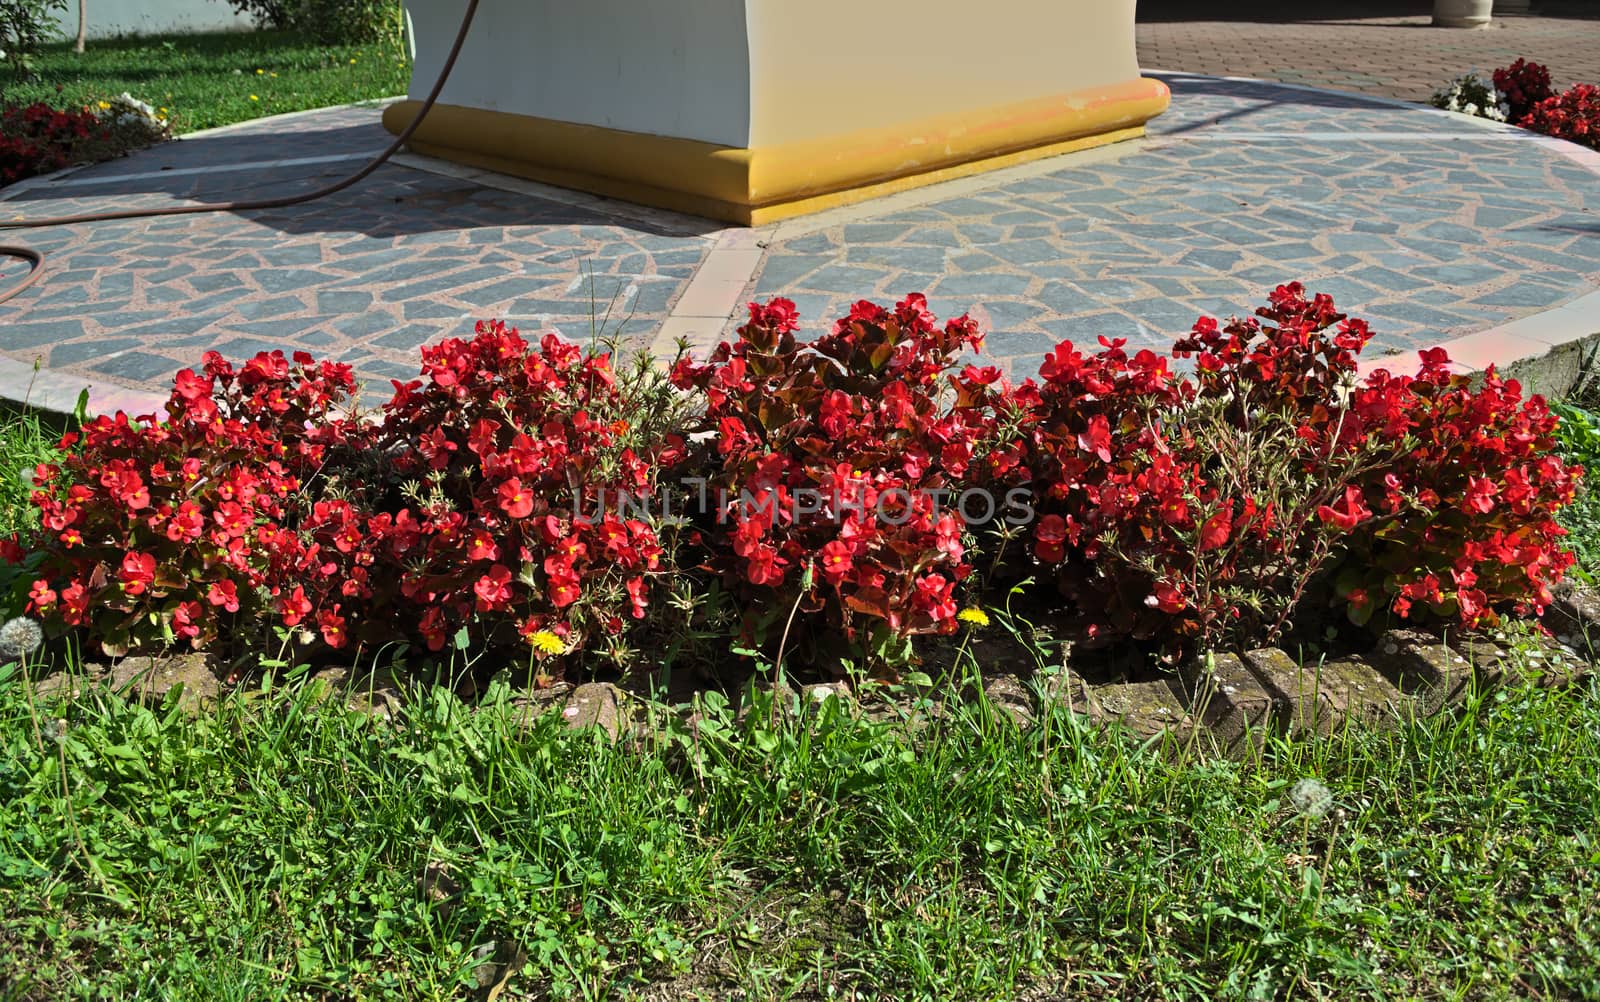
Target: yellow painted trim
(757, 186)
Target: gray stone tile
(37, 335)
(983, 284)
(138, 366)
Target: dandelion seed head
(1310, 798)
(20, 637)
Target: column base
(753, 187)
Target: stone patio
(1435, 227)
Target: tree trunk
(83, 25)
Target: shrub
(834, 464)
(1573, 115)
(331, 22)
(1212, 509)
(1188, 508)
(1461, 516)
(37, 139)
(1523, 85)
(24, 26)
(160, 532)
(514, 523)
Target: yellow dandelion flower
(259, 71)
(546, 642)
(105, 105)
(352, 62)
(974, 615)
(254, 98)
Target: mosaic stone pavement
(1424, 224)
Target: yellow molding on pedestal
(758, 186)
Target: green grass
(26, 440)
(205, 81)
(274, 849)
(1580, 443)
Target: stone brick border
(1223, 704)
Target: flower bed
(1521, 95)
(37, 139)
(840, 495)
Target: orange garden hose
(37, 258)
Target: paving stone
(189, 678)
(138, 367)
(35, 335)
(596, 705)
(1422, 667)
(1229, 701)
(1575, 616)
(1012, 698)
(1145, 708)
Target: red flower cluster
(161, 531)
(837, 465)
(37, 139)
(524, 465)
(512, 496)
(1524, 85)
(1194, 507)
(1461, 516)
(1573, 115)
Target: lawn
(203, 81)
(282, 847)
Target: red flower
(1480, 494)
(295, 608)
(191, 387)
(332, 627)
(493, 589)
(1214, 534)
(42, 597)
(835, 562)
(137, 573)
(224, 594)
(514, 500)
(1049, 539)
(1350, 513)
(186, 620)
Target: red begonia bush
(1460, 516)
(157, 532)
(527, 468)
(835, 468)
(1218, 506)
(37, 139)
(1573, 115)
(528, 498)
(1523, 84)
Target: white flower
(1470, 108)
(1310, 798)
